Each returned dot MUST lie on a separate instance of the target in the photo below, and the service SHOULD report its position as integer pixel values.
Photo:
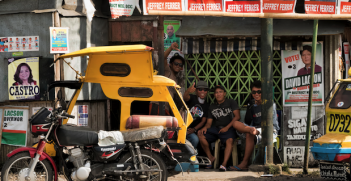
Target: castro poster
(15, 122)
(296, 76)
(23, 78)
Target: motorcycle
(80, 158)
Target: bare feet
(212, 159)
(254, 131)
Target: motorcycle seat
(72, 135)
(148, 133)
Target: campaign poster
(204, 5)
(296, 69)
(243, 6)
(294, 134)
(59, 40)
(15, 124)
(162, 5)
(23, 43)
(344, 7)
(320, 6)
(23, 78)
(122, 7)
(278, 6)
(82, 115)
(4, 44)
(170, 28)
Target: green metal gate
(235, 71)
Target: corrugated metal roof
(229, 26)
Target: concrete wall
(28, 5)
(79, 36)
(25, 24)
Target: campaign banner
(83, 115)
(122, 8)
(344, 7)
(204, 5)
(15, 124)
(243, 6)
(278, 6)
(59, 40)
(23, 78)
(162, 5)
(296, 68)
(320, 7)
(22, 43)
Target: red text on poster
(243, 6)
(164, 5)
(205, 5)
(320, 7)
(274, 6)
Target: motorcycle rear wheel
(15, 169)
(151, 160)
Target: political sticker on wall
(162, 5)
(278, 6)
(296, 69)
(123, 7)
(204, 5)
(344, 7)
(243, 6)
(15, 124)
(59, 40)
(320, 6)
(170, 28)
(23, 78)
(23, 43)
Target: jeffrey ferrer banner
(296, 69)
(23, 78)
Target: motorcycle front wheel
(151, 161)
(16, 169)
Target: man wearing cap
(221, 117)
(198, 109)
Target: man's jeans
(194, 140)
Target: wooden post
(59, 75)
(2, 124)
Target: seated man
(198, 108)
(253, 117)
(221, 116)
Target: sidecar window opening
(115, 69)
(341, 98)
(140, 92)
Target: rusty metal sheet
(115, 31)
(146, 30)
(126, 32)
(135, 34)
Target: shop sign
(243, 6)
(122, 7)
(296, 68)
(15, 123)
(162, 5)
(59, 40)
(23, 78)
(204, 5)
(320, 7)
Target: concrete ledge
(265, 168)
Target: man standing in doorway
(221, 117)
(198, 109)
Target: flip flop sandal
(222, 168)
(236, 168)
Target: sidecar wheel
(15, 169)
(153, 161)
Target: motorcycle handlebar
(68, 115)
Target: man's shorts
(258, 138)
(212, 134)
